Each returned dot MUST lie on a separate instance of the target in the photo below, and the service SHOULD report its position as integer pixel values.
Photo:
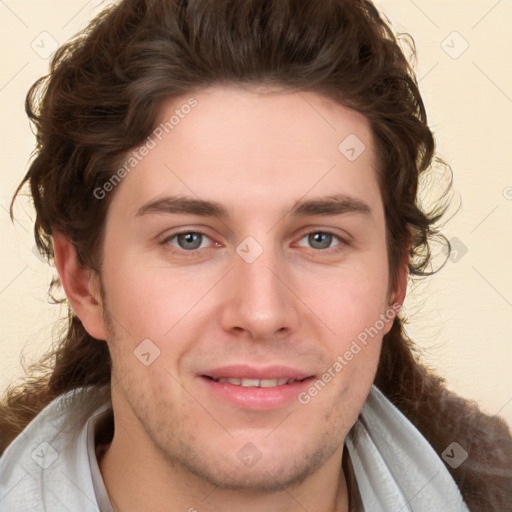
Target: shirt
(52, 464)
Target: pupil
(190, 240)
(324, 240)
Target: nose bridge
(258, 300)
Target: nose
(259, 301)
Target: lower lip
(255, 398)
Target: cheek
(352, 307)
(150, 301)
(351, 300)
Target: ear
(81, 286)
(397, 295)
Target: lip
(253, 372)
(256, 398)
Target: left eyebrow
(336, 204)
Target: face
(245, 286)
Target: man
(227, 189)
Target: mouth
(255, 383)
(253, 388)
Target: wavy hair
(101, 98)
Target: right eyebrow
(189, 205)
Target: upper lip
(243, 371)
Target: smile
(255, 383)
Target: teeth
(250, 383)
(231, 380)
(270, 383)
(256, 383)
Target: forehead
(268, 121)
(247, 144)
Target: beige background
(461, 318)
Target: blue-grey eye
(319, 240)
(189, 241)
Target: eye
(321, 240)
(191, 241)
(188, 240)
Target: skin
(175, 444)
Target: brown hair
(101, 98)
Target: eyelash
(331, 250)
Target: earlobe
(80, 285)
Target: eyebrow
(336, 204)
